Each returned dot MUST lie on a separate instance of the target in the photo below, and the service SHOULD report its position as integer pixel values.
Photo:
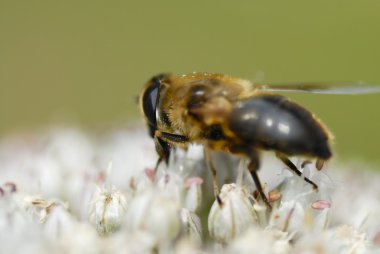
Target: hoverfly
(229, 114)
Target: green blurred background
(83, 62)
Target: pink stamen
(274, 195)
(193, 181)
(321, 204)
(150, 174)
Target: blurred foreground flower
(57, 195)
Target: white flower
(233, 216)
(136, 241)
(57, 221)
(193, 196)
(191, 225)
(288, 217)
(358, 195)
(256, 240)
(47, 181)
(156, 212)
(107, 210)
(343, 239)
(13, 218)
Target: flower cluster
(65, 191)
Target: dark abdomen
(273, 122)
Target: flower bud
(233, 216)
(107, 210)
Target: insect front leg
(163, 150)
(162, 141)
(211, 167)
(294, 169)
(253, 167)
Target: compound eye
(150, 100)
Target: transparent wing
(322, 88)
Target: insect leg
(175, 138)
(211, 167)
(253, 167)
(162, 142)
(163, 150)
(294, 169)
(158, 163)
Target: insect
(229, 114)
